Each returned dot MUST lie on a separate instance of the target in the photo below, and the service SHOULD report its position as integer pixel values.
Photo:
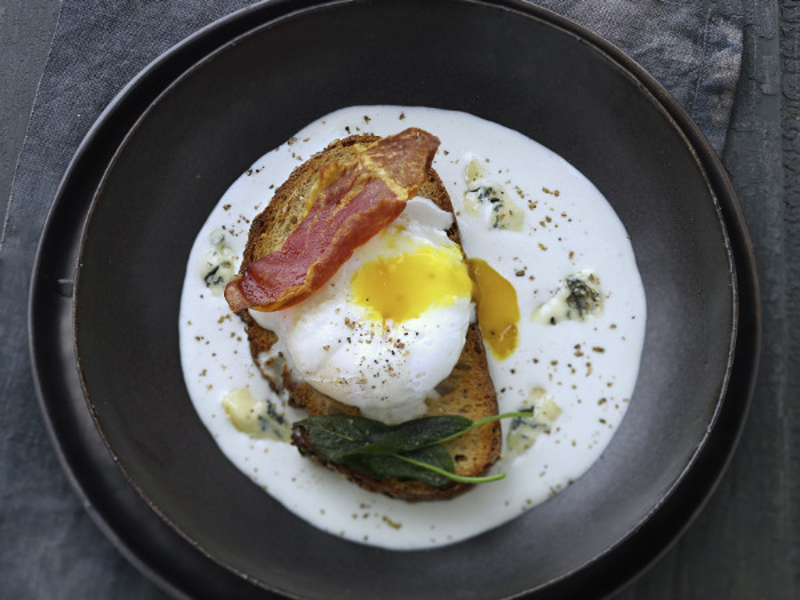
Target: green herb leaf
(386, 466)
(419, 433)
(450, 475)
(337, 436)
(410, 450)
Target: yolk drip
(498, 312)
(402, 287)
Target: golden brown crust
(467, 391)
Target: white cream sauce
(588, 368)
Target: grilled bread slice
(467, 391)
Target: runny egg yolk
(404, 286)
(498, 312)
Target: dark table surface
(745, 544)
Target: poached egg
(391, 323)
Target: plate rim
(704, 156)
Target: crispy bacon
(360, 199)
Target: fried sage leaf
(338, 436)
(386, 466)
(410, 450)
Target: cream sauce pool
(579, 370)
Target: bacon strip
(367, 195)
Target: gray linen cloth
(50, 549)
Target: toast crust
(467, 391)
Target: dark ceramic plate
(225, 105)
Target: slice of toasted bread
(468, 391)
